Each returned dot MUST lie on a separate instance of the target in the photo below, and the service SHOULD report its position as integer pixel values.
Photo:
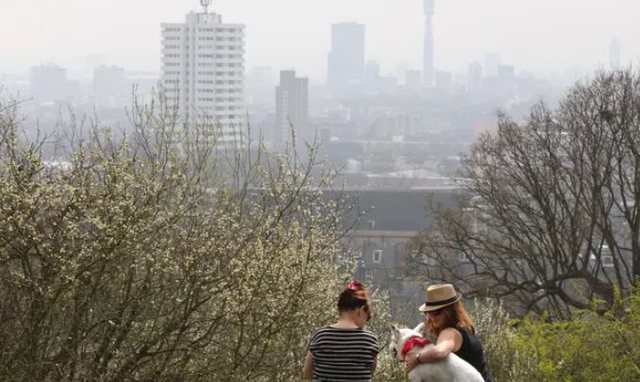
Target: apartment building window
(377, 256)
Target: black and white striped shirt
(343, 354)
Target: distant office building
(109, 81)
(292, 107)
(401, 70)
(92, 61)
(145, 83)
(474, 78)
(203, 71)
(259, 86)
(614, 53)
(372, 73)
(48, 83)
(428, 66)
(261, 77)
(506, 72)
(387, 84)
(413, 79)
(346, 59)
(444, 80)
(491, 63)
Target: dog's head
(400, 336)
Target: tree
(160, 256)
(549, 219)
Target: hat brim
(424, 308)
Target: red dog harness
(412, 342)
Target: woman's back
(473, 352)
(341, 354)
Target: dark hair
(353, 296)
(454, 316)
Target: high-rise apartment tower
(203, 71)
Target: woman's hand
(448, 341)
(410, 363)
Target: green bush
(506, 361)
(591, 347)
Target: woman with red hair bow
(344, 350)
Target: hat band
(441, 302)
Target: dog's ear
(419, 328)
(396, 333)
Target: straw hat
(438, 296)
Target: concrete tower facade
(203, 71)
(292, 106)
(346, 59)
(428, 69)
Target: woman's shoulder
(360, 332)
(453, 331)
(369, 333)
(464, 330)
(329, 332)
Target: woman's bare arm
(307, 369)
(449, 340)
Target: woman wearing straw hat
(446, 318)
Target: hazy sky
(534, 35)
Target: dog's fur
(452, 368)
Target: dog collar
(412, 342)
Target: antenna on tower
(205, 4)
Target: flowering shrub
(160, 256)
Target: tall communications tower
(428, 70)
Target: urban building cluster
(397, 138)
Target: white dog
(452, 368)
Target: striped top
(343, 354)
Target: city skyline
(66, 33)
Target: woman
(446, 318)
(344, 350)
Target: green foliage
(159, 256)
(590, 347)
(506, 361)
